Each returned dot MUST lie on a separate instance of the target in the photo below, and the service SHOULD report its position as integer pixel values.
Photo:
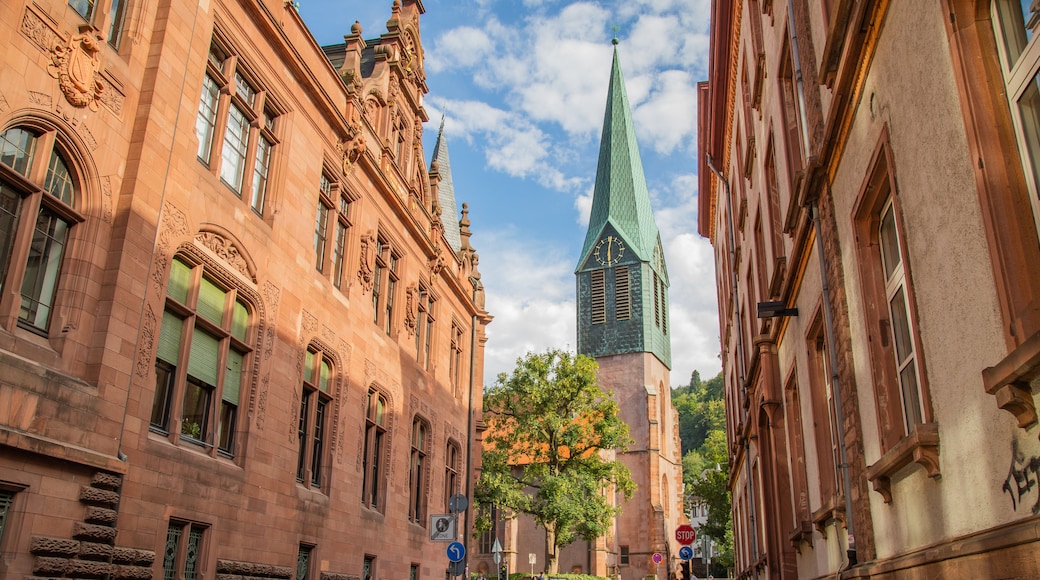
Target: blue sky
(522, 85)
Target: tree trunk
(552, 551)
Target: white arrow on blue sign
(686, 553)
(456, 551)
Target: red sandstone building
(869, 180)
(241, 324)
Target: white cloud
(462, 47)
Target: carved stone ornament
(365, 271)
(77, 67)
(226, 250)
(352, 148)
(411, 307)
(437, 264)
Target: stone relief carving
(366, 267)
(36, 30)
(144, 352)
(352, 148)
(174, 224)
(38, 98)
(226, 250)
(411, 308)
(106, 199)
(3, 104)
(77, 66)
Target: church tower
(622, 286)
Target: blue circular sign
(686, 553)
(456, 551)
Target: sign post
(531, 559)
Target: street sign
(532, 558)
(496, 552)
(658, 558)
(442, 527)
(456, 551)
(457, 568)
(686, 553)
(685, 534)
(457, 503)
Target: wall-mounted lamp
(775, 310)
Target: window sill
(832, 510)
(801, 534)
(921, 446)
(1009, 381)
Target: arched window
(203, 346)
(375, 446)
(418, 469)
(315, 408)
(38, 197)
(452, 470)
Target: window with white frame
(39, 191)
(1015, 24)
(237, 112)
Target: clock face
(609, 250)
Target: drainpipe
(469, 428)
(799, 84)
(740, 364)
(832, 359)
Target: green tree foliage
(552, 433)
(702, 433)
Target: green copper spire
(620, 198)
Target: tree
(552, 434)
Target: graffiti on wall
(1023, 480)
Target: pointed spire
(446, 190)
(621, 198)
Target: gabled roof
(446, 191)
(621, 197)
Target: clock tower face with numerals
(609, 251)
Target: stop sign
(685, 534)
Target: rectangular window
(391, 285)
(303, 562)
(424, 327)
(260, 170)
(796, 447)
(657, 301)
(898, 378)
(487, 538)
(622, 294)
(85, 8)
(377, 278)
(339, 251)
(368, 571)
(792, 120)
(598, 302)
(624, 555)
(6, 500)
(824, 429)
(206, 122)
(181, 558)
(384, 284)
(243, 116)
(116, 14)
(321, 221)
(233, 157)
(455, 357)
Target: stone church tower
(622, 285)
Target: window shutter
(180, 278)
(323, 380)
(211, 302)
(203, 362)
(170, 338)
(240, 321)
(308, 367)
(598, 300)
(233, 377)
(622, 290)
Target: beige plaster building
(241, 322)
(868, 178)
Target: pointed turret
(446, 190)
(621, 198)
(622, 277)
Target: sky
(522, 88)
